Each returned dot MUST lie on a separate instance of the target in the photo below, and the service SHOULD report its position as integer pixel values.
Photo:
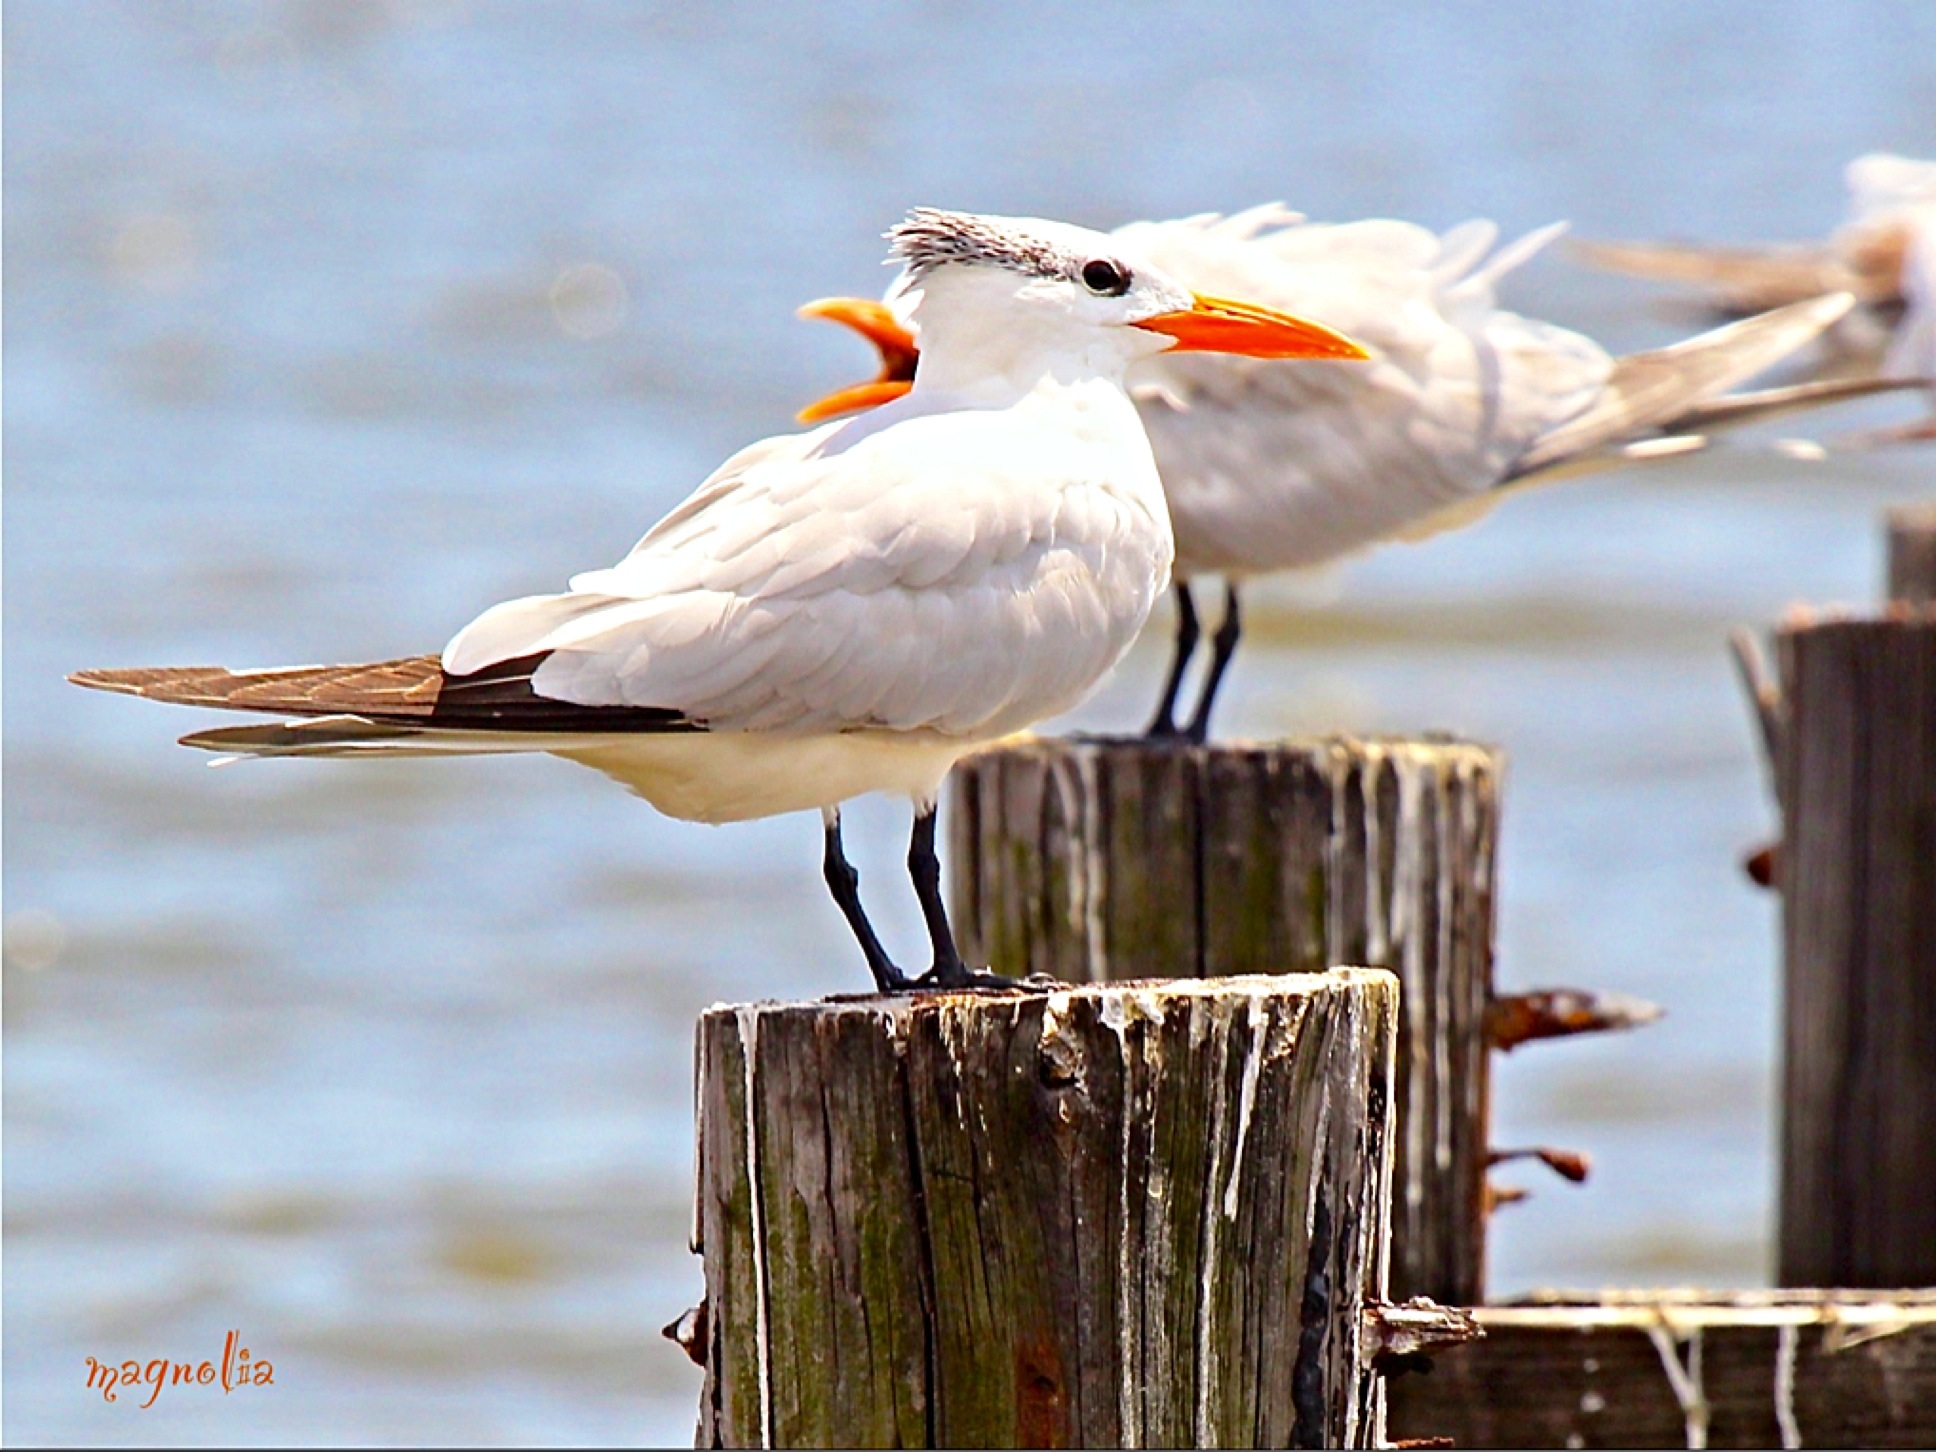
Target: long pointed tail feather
(414, 691)
(345, 736)
(411, 686)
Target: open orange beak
(1217, 325)
(875, 323)
(1209, 325)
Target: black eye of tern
(1106, 278)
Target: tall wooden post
(1114, 1215)
(1912, 553)
(1856, 775)
(1109, 859)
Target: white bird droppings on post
(1377, 922)
(1094, 887)
(749, 1033)
(1114, 1014)
(1119, 1010)
(1787, 1344)
(1246, 1100)
(1199, 1028)
(1684, 1379)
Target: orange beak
(1217, 325)
(875, 323)
(1211, 325)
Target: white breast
(939, 574)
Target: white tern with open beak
(1281, 465)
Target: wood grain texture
(1912, 554)
(1857, 872)
(1114, 1215)
(1686, 1369)
(1094, 860)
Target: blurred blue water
(329, 323)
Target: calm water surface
(328, 324)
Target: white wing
(956, 571)
(1276, 465)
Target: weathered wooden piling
(1856, 778)
(1686, 1369)
(1912, 553)
(1109, 859)
(1115, 1215)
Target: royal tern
(1884, 253)
(1276, 466)
(845, 610)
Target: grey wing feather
(1652, 389)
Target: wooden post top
(1096, 1215)
(1105, 859)
(1435, 746)
(1121, 1003)
(1801, 619)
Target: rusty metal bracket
(1400, 1337)
(1513, 1019)
(689, 1332)
(1500, 1195)
(1572, 1165)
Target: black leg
(925, 868)
(1187, 635)
(844, 882)
(1222, 647)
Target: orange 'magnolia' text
(236, 1370)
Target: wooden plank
(1686, 1369)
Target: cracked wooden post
(1856, 775)
(1912, 554)
(1115, 1215)
(1112, 859)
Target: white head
(1002, 301)
(1881, 185)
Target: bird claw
(958, 978)
(890, 979)
(1168, 733)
